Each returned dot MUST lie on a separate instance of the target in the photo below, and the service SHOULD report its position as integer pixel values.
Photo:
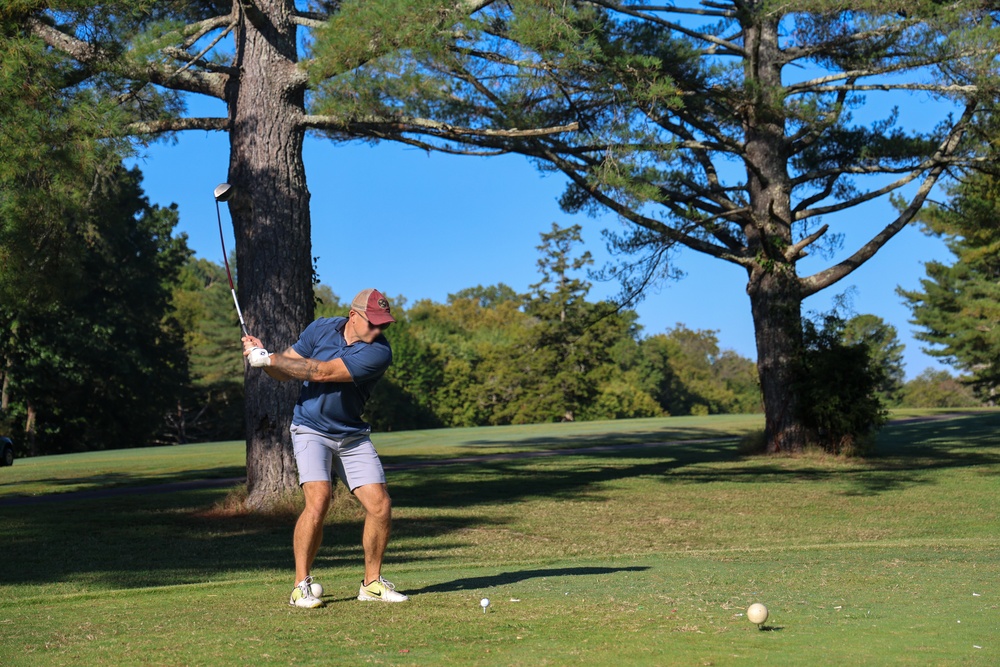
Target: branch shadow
(504, 578)
(164, 538)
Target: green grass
(639, 556)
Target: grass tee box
(594, 556)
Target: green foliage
(621, 397)
(405, 397)
(328, 304)
(210, 406)
(696, 378)
(101, 365)
(838, 384)
(53, 158)
(492, 356)
(568, 338)
(938, 389)
(958, 305)
(884, 349)
(361, 31)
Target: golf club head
(223, 191)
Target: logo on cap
(373, 306)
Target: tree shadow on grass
(152, 539)
(615, 437)
(570, 476)
(504, 578)
(119, 483)
(168, 539)
(905, 454)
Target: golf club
(223, 192)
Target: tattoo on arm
(295, 368)
(289, 365)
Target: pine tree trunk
(776, 307)
(270, 212)
(775, 297)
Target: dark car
(6, 452)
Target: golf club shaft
(239, 313)
(225, 260)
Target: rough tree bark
(775, 299)
(270, 213)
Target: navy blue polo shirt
(335, 408)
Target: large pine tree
(147, 57)
(639, 106)
(727, 127)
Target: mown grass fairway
(634, 556)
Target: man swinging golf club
(338, 360)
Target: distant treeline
(132, 341)
(487, 356)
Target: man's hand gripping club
(255, 353)
(289, 365)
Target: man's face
(365, 330)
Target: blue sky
(443, 223)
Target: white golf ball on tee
(484, 603)
(757, 613)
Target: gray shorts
(354, 456)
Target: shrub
(838, 389)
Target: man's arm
(290, 365)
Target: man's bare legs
(378, 523)
(309, 528)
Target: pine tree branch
(196, 31)
(883, 87)
(211, 84)
(437, 148)
(168, 125)
(861, 199)
(831, 182)
(720, 12)
(895, 28)
(312, 20)
(913, 174)
(939, 161)
(627, 212)
(403, 124)
(794, 251)
(728, 46)
(723, 143)
(383, 44)
(811, 133)
(714, 192)
(875, 169)
(902, 65)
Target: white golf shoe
(380, 590)
(302, 595)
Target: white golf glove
(259, 357)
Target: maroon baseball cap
(374, 306)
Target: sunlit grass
(642, 556)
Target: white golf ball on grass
(316, 589)
(757, 613)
